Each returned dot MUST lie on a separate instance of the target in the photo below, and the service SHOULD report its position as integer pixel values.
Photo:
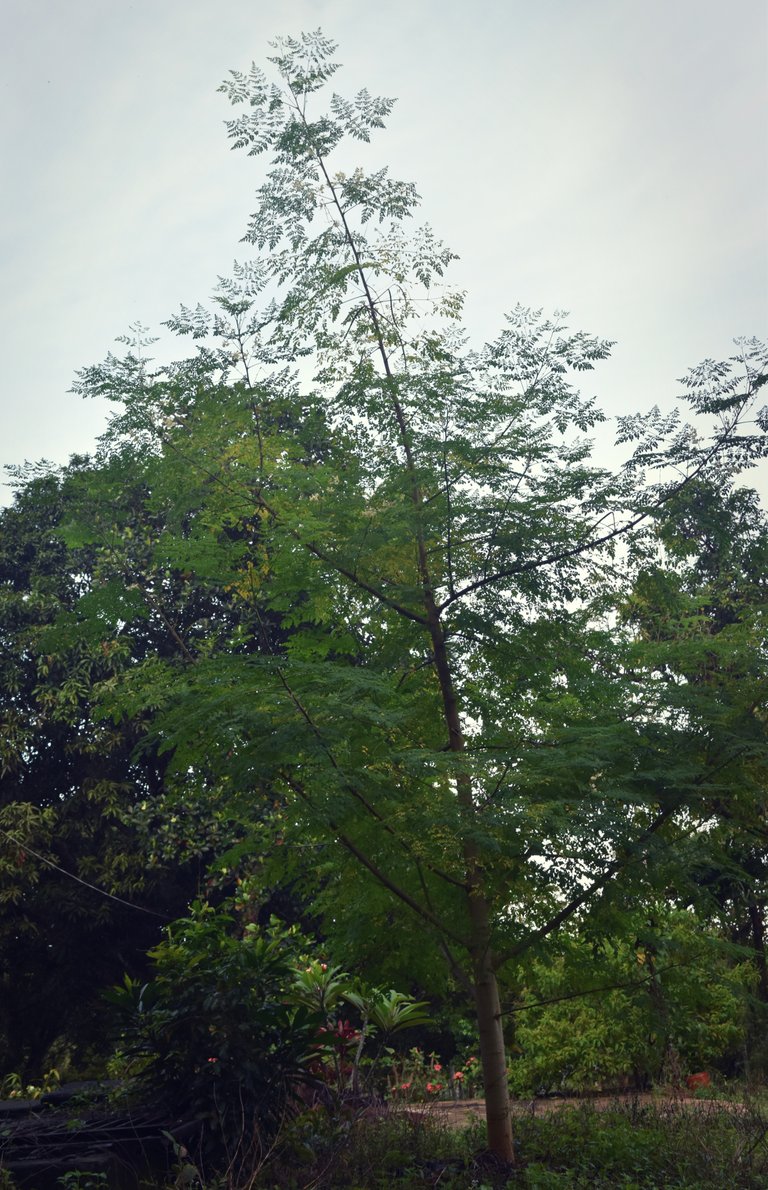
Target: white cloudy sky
(608, 157)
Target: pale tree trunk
(493, 1055)
(498, 1113)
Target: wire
(79, 879)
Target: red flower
(458, 1075)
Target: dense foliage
(67, 782)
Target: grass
(649, 1147)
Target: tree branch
(568, 910)
(593, 543)
(439, 926)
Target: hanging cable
(94, 888)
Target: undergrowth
(670, 1146)
(633, 1145)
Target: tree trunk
(493, 1055)
(757, 922)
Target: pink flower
(213, 1059)
(459, 1074)
(433, 1088)
(437, 1067)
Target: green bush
(214, 1034)
(676, 995)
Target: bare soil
(459, 1113)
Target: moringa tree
(455, 712)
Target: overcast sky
(607, 157)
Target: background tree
(80, 898)
(700, 607)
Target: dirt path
(461, 1112)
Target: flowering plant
(469, 1077)
(340, 1051)
(413, 1077)
(418, 1077)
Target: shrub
(680, 995)
(216, 1038)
